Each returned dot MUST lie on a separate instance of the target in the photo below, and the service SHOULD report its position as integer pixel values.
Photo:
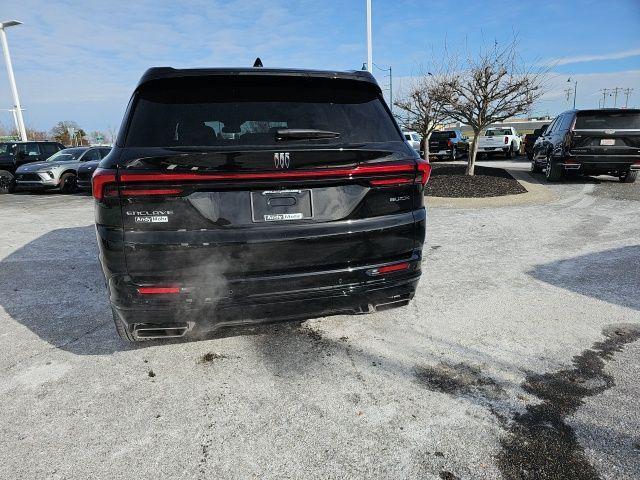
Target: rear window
(7, 148)
(230, 112)
(608, 120)
(498, 131)
(443, 135)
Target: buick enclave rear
(250, 195)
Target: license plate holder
(608, 142)
(281, 205)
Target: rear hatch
(607, 133)
(254, 177)
(496, 138)
(440, 141)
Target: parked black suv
(247, 195)
(14, 154)
(86, 169)
(530, 140)
(449, 144)
(591, 142)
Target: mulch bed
(450, 181)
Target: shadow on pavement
(53, 286)
(610, 275)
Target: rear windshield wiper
(303, 134)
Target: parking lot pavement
(518, 358)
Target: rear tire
(7, 182)
(552, 172)
(121, 328)
(535, 168)
(509, 153)
(68, 183)
(629, 176)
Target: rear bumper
(604, 164)
(190, 311)
(34, 185)
(83, 184)
(502, 149)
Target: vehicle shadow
(54, 286)
(612, 275)
(577, 179)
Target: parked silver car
(413, 139)
(58, 171)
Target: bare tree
(491, 87)
(422, 110)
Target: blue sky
(80, 60)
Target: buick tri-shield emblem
(281, 160)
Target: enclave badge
(281, 160)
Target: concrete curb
(537, 193)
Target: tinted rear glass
(443, 135)
(498, 131)
(236, 111)
(612, 120)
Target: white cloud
(594, 58)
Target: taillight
(386, 182)
(506, 140)
(158, 290)
(449, 143)
(101, 180)
(149, 192)
(424, 169)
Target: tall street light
(12, 79)
(369, 42)
(575, 90)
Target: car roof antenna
(257, 63)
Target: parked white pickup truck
(503, 140)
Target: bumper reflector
(158, 290)
(396, 267)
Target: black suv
(247, 195)
(530, 140)
(14, 154)
(449, 144)
(591, 142)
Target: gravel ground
(518, 359)
(449, 180)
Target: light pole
(12, 79)
(575, 90)
(390, 84)
(369, 41)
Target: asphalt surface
(519, 358)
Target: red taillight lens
(147, 192)
(506, 140)
(396, 267)
(424, 169)
(387, 182)
(100, 180)
(158, 290)
(449, 144)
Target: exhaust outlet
(151, 332)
